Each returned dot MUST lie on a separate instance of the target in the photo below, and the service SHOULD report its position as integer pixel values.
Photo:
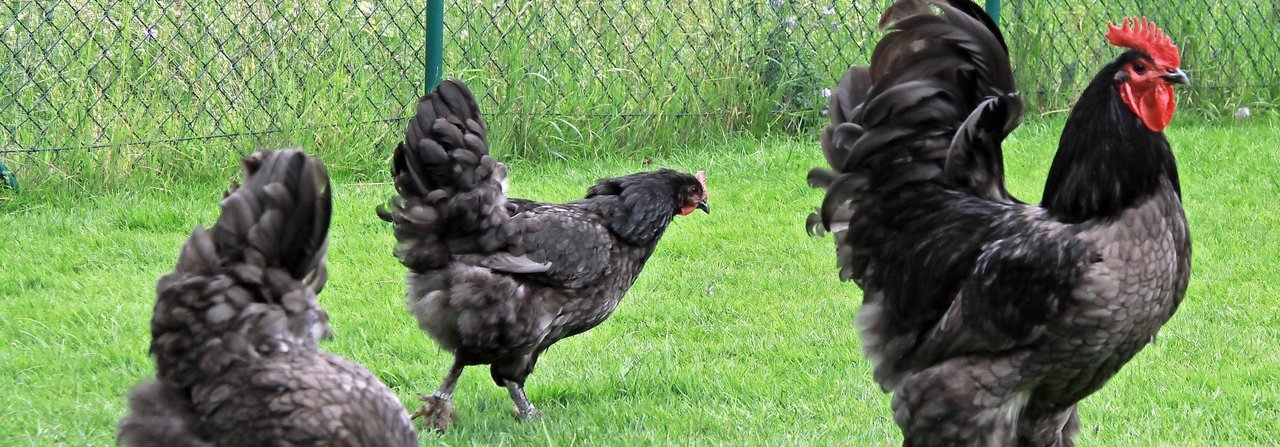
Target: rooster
(235, 326)
(498, 280)
(989, 319)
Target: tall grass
(574, 78)
(1227, 48)
(145, 94)
(110, 91)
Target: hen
(498, 280)
(987, 318)
(235, 326)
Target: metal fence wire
(95, 74)
(718, 57)
(141, 77)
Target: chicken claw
(436, 412)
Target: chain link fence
(726, 57)
(153, 83)
(1228, 48)
(143, 80)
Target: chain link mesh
(723, 57)
(94, 74)
(152, 75)
(617, 57)
(1228, 48)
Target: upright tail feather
(451, 197)
(241, 289)
(279, 217)
(251, 280)
(939, 86)
(926, 75)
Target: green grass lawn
(737, 333)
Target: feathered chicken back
(235, 325)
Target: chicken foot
(437, 409)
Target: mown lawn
(737, 333)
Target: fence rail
(109, 74)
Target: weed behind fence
(97, 91)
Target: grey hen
(497, 280)
(987, 318)
(235, 326)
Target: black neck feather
(1107, 160)
(640, 205)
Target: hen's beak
(702, 205)
(1177, 77)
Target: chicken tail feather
(241, 290)
(448, 186)
(939, 86)
(248, 284)
(279, 218)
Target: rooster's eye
(1139, 68)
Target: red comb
(1140, 34)
(702, 178)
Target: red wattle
(1153, 105)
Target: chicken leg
(437, 409)
(524, 410)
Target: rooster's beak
(702, 205)
(1177, 77)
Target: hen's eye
(1139, 68)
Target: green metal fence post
(435, 44)
(8, 178)
(993, 10)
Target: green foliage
(1226, 49)
(792, 70)
(737, 332)
(154, 92)
(164, 92)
